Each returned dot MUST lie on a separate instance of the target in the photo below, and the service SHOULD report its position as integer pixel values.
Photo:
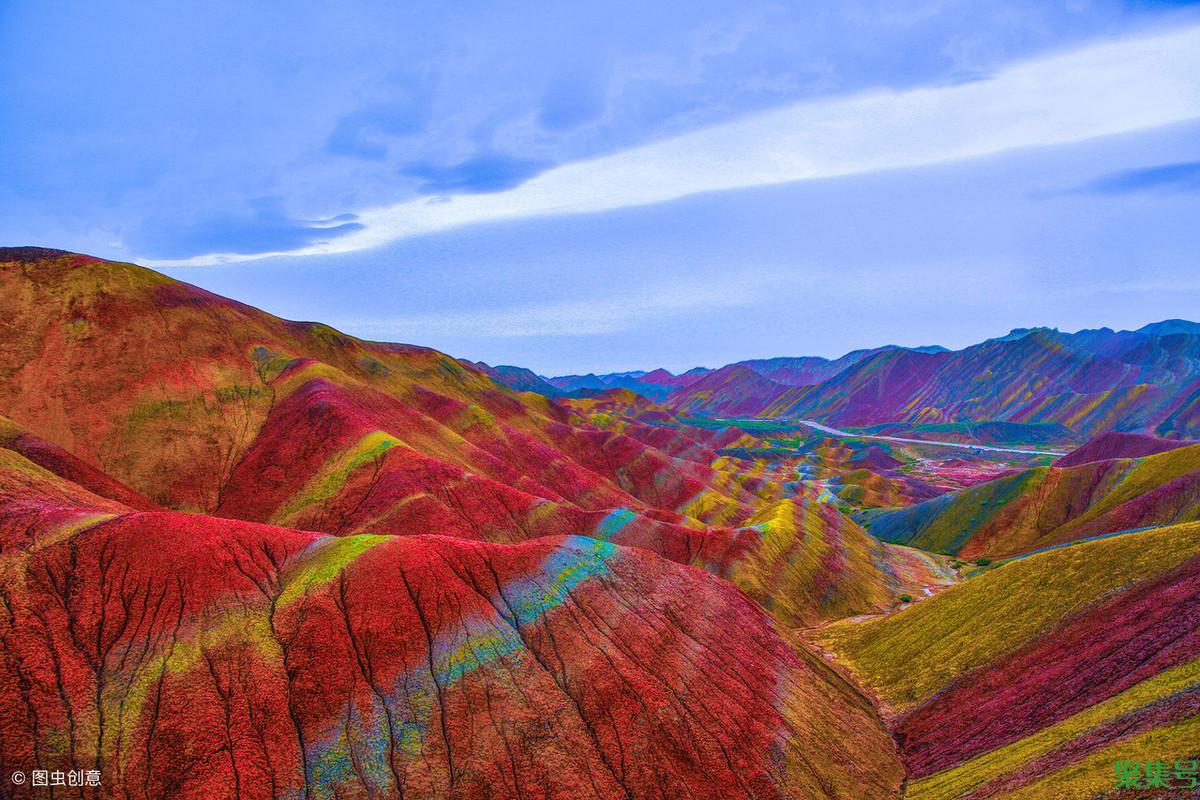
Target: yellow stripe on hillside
(332, 555)
(1093, 776)
(68, 529)
(1012, 758)
(1142, 476)
(908, 656)
(334, 474)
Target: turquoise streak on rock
(483, 638)
(614, 522)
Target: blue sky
(579, 187)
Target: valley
(926, 442)
(242, 556)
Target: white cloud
(1103, 89)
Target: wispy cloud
(481, 174)
(1099, 90)
(567, 318)
(262, 229)
(1180, 177)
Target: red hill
(1118, 445)
(189, 656)
(204, 404)
(731, 391)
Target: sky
(610, 186)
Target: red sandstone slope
(205, 404)
(194, 657)
(168, 387)
(53, 458)
(1114, 444)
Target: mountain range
(246, 557)
(1091, 381)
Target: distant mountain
(1087, 382)
(646, 389)
(591, 384)
(664, 378)
(732, 391)
(1020, 333)
(810, 370)
(1091, 381)
(1169, 327)
(803, 370)
(517, 378)
(785, 370)
(572, 383)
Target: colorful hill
(1035, 677)
(58, 461)
(203, 404)
(732, 391)
(189, 656)
(1090, 382)
(815, 564)
(517, 378)
(1049, 506)
(247, 557)
(168, 388)
(1118, 445)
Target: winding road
(962, 445)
